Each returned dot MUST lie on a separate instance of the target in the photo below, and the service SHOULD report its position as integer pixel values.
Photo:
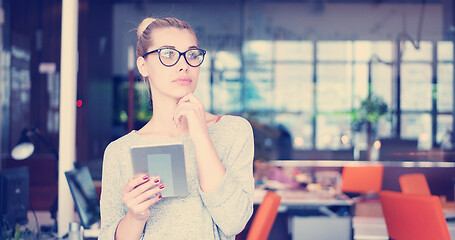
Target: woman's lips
(183, 81)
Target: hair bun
(143, 25)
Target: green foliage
(371, 109)
(16, 233)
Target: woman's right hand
(140, 193)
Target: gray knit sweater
(219, 214)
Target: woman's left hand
(190, 108)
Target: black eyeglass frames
(169, 56)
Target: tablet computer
(165, 161)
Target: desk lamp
(24, 149)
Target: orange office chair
(413, 217)
(264, 217)
(362, 179)
(414, 183)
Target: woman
(218, 151)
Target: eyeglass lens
(193, 57)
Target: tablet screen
(164, 164)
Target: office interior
(324, 83)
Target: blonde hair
(146, 27)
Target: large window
(312, 88)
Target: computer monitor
(397, 149)
(14, 196)
(84, 195)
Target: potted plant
(367, 116)
(16, 233)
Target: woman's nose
(182, 64)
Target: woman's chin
(183, 93)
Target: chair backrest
(264, 217)
(412, 216)
(414, 183)
(362, 179)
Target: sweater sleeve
(111, 205)
(231, 203)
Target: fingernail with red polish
(157, 180)
(161, 186)
(160, 196)
(144, 177)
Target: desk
(439, 174)
(314, 215)
(296, 199)
(292, 198)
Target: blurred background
(367, 80)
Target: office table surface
(305, 198)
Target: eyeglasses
(169, 56)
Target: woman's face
(175, 81)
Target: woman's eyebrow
(173, 47)
(167, 46)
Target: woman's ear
(140, 62)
